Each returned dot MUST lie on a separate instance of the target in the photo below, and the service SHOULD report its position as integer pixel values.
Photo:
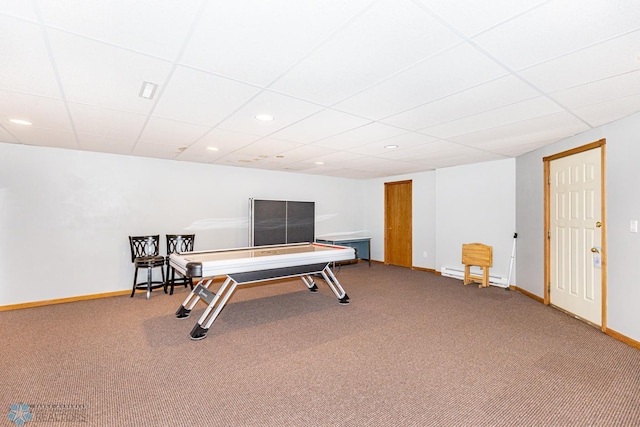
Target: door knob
(598, 224)
(595, 250)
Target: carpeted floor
(412, 349)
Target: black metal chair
(178, 243)
(145, 253)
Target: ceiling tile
(305, 153)
(513, 139)
(600, 91)
(608, 111)
(406, 140)
(446, 153)
(472, 17)
(360, 136)
(517, 112)
(587, 65)
(154, 27)
(5, 136)
(95, 73)
(497, 93)
(266, 147)
(105, 144)
(388, 37)
(256, 41)
(26, 66)
(318, 126)
(171, 132)
(338, 158)
(559, 27)
(284, 109)
(106, 122)
(225, 141)
(46, 113)
(199, 97)
(159, 151)
(32, 135)
(22, 9)
(445, 74)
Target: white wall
(423, 213)
(623, 204)
(65, 215)
(452, 206)
(476, 204)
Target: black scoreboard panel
(277, 222)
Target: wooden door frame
(601, 144)
(386, 221)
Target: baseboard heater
(459, 274)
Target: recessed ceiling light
(319, 163)
(390, 147)
(213, 149)
(264, 117)
(20, 122)
(148, 90)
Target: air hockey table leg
(335, 286)
(191, 300)
(308, 281)
(201, 328)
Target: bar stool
(178, 243)
(145, 254)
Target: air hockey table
(243, 266)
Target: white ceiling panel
(159, 151)
(5, 136)
(171, 132)
(600, 91)
(22, 9)
(388, 37)
(225, 141)
(199, 97)
(304, 153)
(321, 125)
(450, 153)
(92, 73)
(338, 158)
(409, 139)
(150, 26)
(43, 112)
(32, 135)
(266, 147)
(517, 112)
(472, 16)
(25, 59)
(284, 109)
(513, 138)
(447, 73)
(360, 136)
(608, 111)
(256, 41)
(406, 154)
(559, 27)
(106, 122)
(105, 144)
(587, 65)
(497, 93)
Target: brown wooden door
(397, 221)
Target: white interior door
(576, 235)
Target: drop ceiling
(448, 82)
